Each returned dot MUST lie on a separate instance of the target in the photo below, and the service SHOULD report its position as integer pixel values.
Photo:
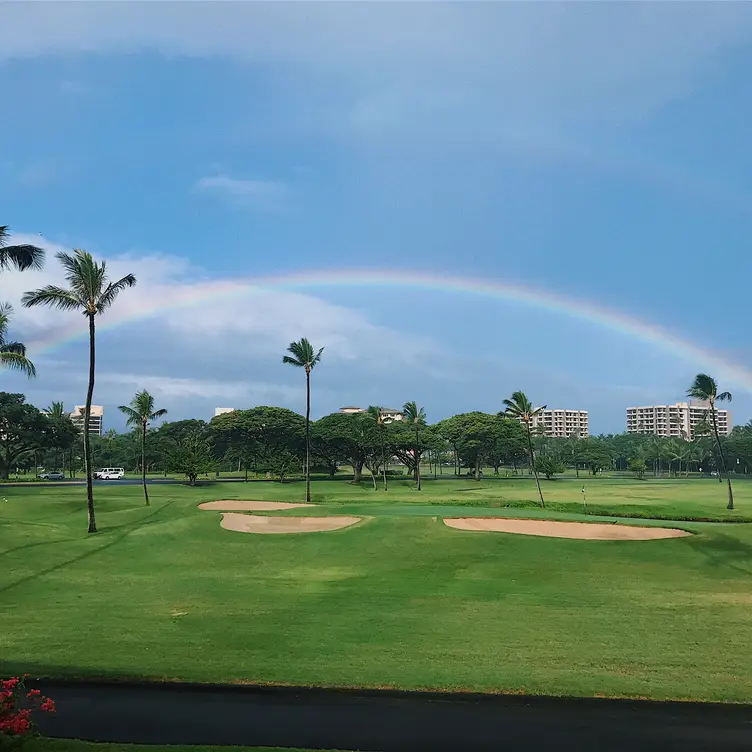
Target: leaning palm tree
(12, 354)
(705, 388)
(417, 416)
(140, 412)
(520, 407)
(90, 292)
(21, 257)
(303, 355)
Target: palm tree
(22, 257)
(90, 292)
(303, 355)
(520, 407)
(140, 412)
(417, 416)
(705, 388)
(12, 354)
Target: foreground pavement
(384, 721)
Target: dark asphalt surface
(385, 721)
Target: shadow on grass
(130, 527)
(723, 550)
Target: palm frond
(54, 296)
(16, 362)
(107, 298)
(724, 397)
(158, 414)
(13, 347)
(703, 387)
(21, 256)
(292, 361)
(133, 419)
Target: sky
(265, 170)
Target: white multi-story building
(562, 424)
(387, 413)
(95, 418)
(223, 410)
(677, 421)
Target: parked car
(51, 476)
(109, 473)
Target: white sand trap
(551, 529)
(233, 505)
(254, 523)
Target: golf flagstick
(584, 501)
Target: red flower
(34, 693)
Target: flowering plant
(17, 705)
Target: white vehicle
(110, 473)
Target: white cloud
(269, 195)
(604, 59)
(197, 341)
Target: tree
(139, 413)
(415, 416)
(12, 354)
(705, 388)
(510, 444)
(550, 464)
(90, 292)
(520, 408)
(596, 453)
(22, 257)
(376, 414)
(303, 355)
(63, 431)
(190, 455)
(23, 430)
(636, 464)
(474, 435)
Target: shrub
(17, 706)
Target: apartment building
(675, 421)
(562, 424)
(223, 410)
(389, 414)
(95, 419)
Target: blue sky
(595, 150)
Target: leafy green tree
(12, 354)
(596, 454)
(342, 438)
(23, 430)
(475, 436)
(303, 355)
(63, 432)
(636, 463)
(416, 417)
(190, 455)
(520, 408)
(139, 414)
(90, 292)
(510, 445)
(376, 414)
(704, 388)
(550, 464)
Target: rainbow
(589, 312)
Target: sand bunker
(550, 529)
(253, 523)
(233, 505)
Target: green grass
(73, 745)
(399, 601)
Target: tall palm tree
(140, 412)
(89, 291)
(303, 355)
(417, 416)
(521, 408)
(21, 257)
(13, 354)
(704, 388)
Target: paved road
(386, 722)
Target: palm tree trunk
(87, 414)
(308, 438)
(532, 463)
(722, 458)
(143, 461)
(383, 461)
(417, 455)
